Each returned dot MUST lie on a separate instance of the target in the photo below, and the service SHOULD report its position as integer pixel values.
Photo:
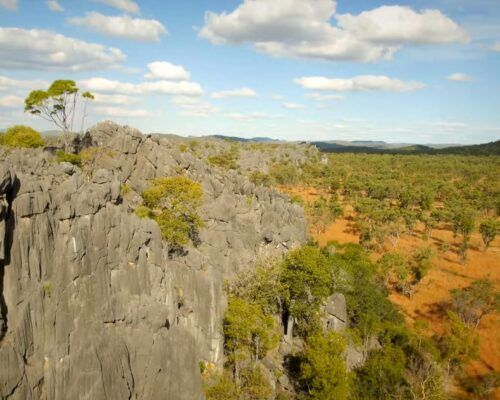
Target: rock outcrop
(92, 304)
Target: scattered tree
(489, 229)
(472, 303)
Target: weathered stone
(95, 306)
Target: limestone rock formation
(92, 304)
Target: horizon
(413, 72)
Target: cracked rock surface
(91, 304)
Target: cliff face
(91, 304)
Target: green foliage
(489, 229)
(459, 344)
(58, 103)
(260, 178)
(226, 159)
(263, 286)
(222, 387)
(173, 202)
(382, 376)
(248, 332)
(324, 211)
(21, 136)
(472, 303)
(421, 262)
(284, 173)
(308, 279)
(74, 159)
(323, 373)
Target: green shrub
(173, 202)
(221, 387)
(226, 159)
(323, 373)
(22, 136)
(248, 332)
(74, 159)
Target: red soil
(434, 289)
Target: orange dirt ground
(434, 289)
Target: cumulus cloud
(11, 101)
(146, 30)
(167, 71)
(324, 97)
(54, 6)
(113, 99)
(10, 84)
(9, 4)
(118, 112)
(401, 24)
(358, 83)
(128, 6)
(194, 106)
(241, 92)
(40, 49)
(291, 106)
(183, 88)
(459, 77)
(303, 28)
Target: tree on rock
(57, 104)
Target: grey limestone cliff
(92, 305)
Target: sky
(417, 71)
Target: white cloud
(303, 28)
(249, 117)
(9, 4)
(11, 101)
(324, 97)
(39, 49)
(167, 71)
(123, 112)
(291, 106)
(54, 6)
(242, 92)
(194, 106)
(400, 25)
(358, 83)
(183, 88)
(459, 77)
(113, 99)
(495, 46)
(16, 84)
(124, 5)
(146, 30)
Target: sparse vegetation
(74, 159)
(173, 202)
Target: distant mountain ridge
(492, 148)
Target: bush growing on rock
(173, 202)
(74, 159)
(22, 136)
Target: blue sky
(401, 71)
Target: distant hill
(492, 148)
(240, 139)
